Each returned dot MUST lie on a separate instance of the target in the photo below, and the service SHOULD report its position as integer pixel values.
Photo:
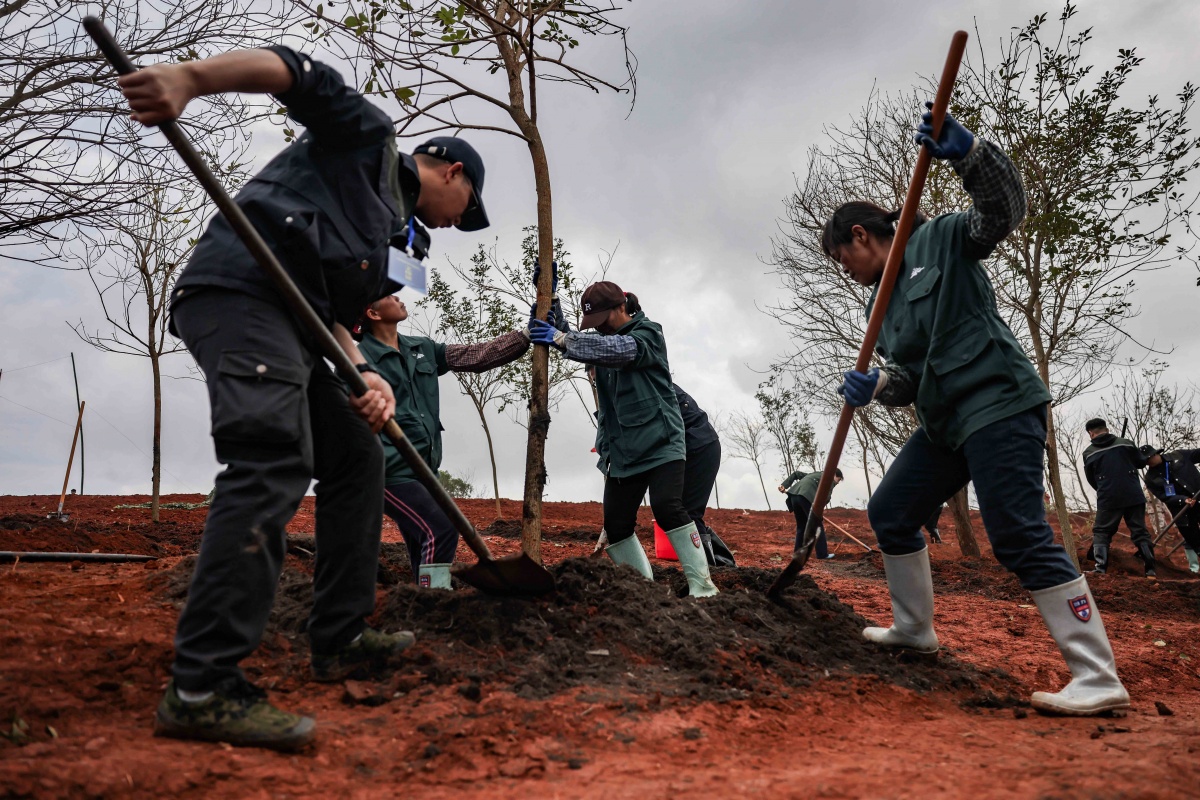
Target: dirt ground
(610, 687)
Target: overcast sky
(691, 185)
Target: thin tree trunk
(1060, 502)
(492, 456)
(156, 447)
(763, 484)
(963, 530)
(539, 385)
(1082, 486)
(717, 490)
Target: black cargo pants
(280, 418)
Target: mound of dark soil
(607, 627)
(38, 533)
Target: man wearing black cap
(1111, 466)
(329, 206)
(1173, 478)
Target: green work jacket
(639, 423)
(803, 485)
(943, 328)
(412, 370)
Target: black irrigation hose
(7, 556)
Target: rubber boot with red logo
(690, 549)
(1074, 621)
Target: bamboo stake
(71, 458)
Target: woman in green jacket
(639, 425)
(982, 408)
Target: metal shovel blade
(511, 576)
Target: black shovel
(517, 575)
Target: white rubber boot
(1074, 621)
(911, 585)
(1193, 560)
(434, 576)
(629, 551)
(690, 549)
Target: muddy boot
(1193, 560)
(235, 712)
(688, 547)
(1101, 553)
(434, 576)
(629, 552)
(370, 651)
(1146, 551)
(910, 584)
(1074, 621)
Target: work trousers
(1189, 528)
(801, 508)
(1107, 520)
(1004, 459)
(622, 496)
(280, 418)
(428, 533)
(699, 477)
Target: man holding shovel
(1173, 479)
(327, 206)
(800, 489)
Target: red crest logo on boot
(424, 581)
(696, 538)
(1081, 608)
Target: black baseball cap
(598, 299)
(1095, 424)
(455, 150)
(1148, 450)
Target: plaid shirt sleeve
(999, 198)
(482, 356)
(603, 351)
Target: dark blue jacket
(1184, 477)
(1111, 466)
(327, 205)
(697, 430)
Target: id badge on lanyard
(1168, 487)
(403, 268)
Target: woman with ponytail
(639, 427)
(982, 410)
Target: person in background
(931, 525)
(703, 462)
(801, 491)
(1173, 479)
(1111, 466)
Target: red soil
(84, 652)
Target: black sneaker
(372, 651)
(237, 713)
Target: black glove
(537, 273)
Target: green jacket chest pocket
(910, 317)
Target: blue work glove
(954, 142)
(859, 389)
(537, 273)
(543, 332)
(555, 316)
